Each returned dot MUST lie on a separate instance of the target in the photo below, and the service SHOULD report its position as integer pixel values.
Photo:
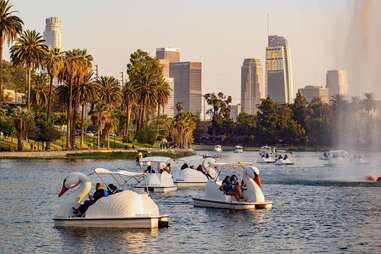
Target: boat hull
(157, 189)
(200, 202)
(128, 222)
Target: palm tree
(99, 116)
(130, 99)
(40, 91)
(87, 92)
(369, 103)
(10, 27)
(22, 119)
(54, 64)
(111, 124)
(183, 125)
(29, 50)
(77, 64)
(110, 92)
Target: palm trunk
(1, 69)
(29, 70)
(99, 139)
(19, 137)
(128, 120)
(49, 106)
(108, 141)
(69, 109)
(82, 125)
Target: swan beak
(63, 190)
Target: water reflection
(102, 241)
(312, 212)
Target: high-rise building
(169, 108)
(52, 33)
(187, 87)
(337, 82)
(171, 54)
(235, 110)
(252, 86)
(279, 70)
(311, 92)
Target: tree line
(341, 122)
(61, 90)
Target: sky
(218, 33)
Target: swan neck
(84, 188)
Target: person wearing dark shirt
(99, 193)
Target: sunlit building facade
(52, 33)
(337, 82)
(252, 85)
(279, 77)
(311, 92)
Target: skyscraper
(311, 92)
(52, 33)
(252, 86)
(187, 87)
(279, 70)
(337, 82)
(167, 56)
(171, 54)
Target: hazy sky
(219, 33)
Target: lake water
(316, 208)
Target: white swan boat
(283, 159)
(338, 157)
(218, 148)
(193, 170)
(125, 209)
(253, 197)
(238, 149)
(157, 182)
(267, 154)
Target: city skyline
(219, 46)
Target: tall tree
(145, 73)
(54, 64)
(110, 92)
(10, 27)
(130, 99)
(23, 121)
(29, 50)
(183, 126)
(40, 91)
(87, 93)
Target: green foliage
(44, 132)
(147, 135)
(13, 76)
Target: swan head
(71, 181)
(251, 172)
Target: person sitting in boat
(243, 186)
(280, 157)
(285, 157)
(236, 188)
(224, 183)
(184, 166)
(168, 168)
(99, 193)
(267, 155)
(149, 169)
